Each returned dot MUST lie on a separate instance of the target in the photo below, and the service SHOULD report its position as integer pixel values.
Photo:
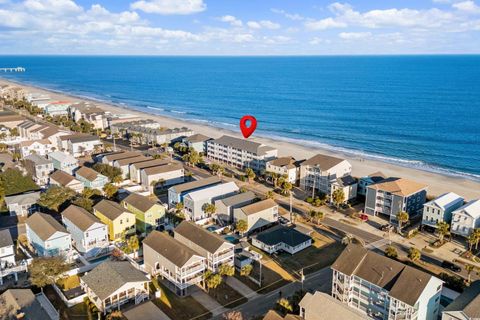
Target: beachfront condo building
(440, 209)
(320, 172)
(285, 167)
(365, 181)
(394, 195)
(90, 113)
(172, 260)
(383, 288)
(197, 142)
(466, 218)
(240, 153)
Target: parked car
(386, 227)
(283, 220)
(451, 266)
(364, 217)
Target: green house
(149, 214)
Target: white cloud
(169, 7)
(291, 16)
(55, 6)
(327, 23)
(267, 24)
(467, 6)
(232, 20)
(354, 35)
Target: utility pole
(291, 214)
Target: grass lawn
(273, 277)
(179, 307)
(227, 296)
(69, 282)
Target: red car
(364, 217)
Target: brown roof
(403, 282)
(179, 188)
(207, 240)
(273, 315)
(49, 131)
(399, 186)
(377, 176)
(145, 311)
(140, 202)
(243, 144)
(128, 161)
(258, 206)
(62, 177)
(325, 162)
(44, 225)
(110, 209)
(288, 162)
(162, 169)
(151, 163)
(71, 136)
(170, 248)
(30, 142)
(122, 155)
(87, 173)
(197, 138)
(8, 118)
(80, 217)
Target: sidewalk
(243, 289)
(208, 302)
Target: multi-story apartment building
(89, 234)
(209, 245)
(383, 288)
(466, 218)
(39, 168)
(90, 113)
(172, 260)
(318, 173)
(194, 202)
(150, 132)
(440, 209)
(240, 153)
(394, 195)
(58, 108)
(372, 178)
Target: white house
(466, 218)
(383, 288)
(136, 168)
(47, 236)
(209, 245)
(89, 234)
(440, 209)
(63, 161)
(22, 204)
(124, 164)
(177, 192)
(39, 168)
(7, 252)
(63, 179)
(80, 146)
(257, 215)
(321, 306)
(40, 147)
(57, 108)
(282, 239)
(285, 166)
(348, 185)
(195, 201)
(321, 171)
(197, 142)
(170, 174)
(172, 260)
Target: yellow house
(118, 220)
(149, 214)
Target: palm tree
(286, 188)
(316, 216)
(241, 226)
(274, 177)
(338, 197)
(250, 174)
(391, 252)
(209, 209)
(471, 240)
(476, 232)
(402, 217)
(269, 195)
(469, 268)
(414, 254)
(443, 230)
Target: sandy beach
(437, 183)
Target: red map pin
(247, 131)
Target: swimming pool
(231, 239)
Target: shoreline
(438, 183)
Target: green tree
(110, 190)
(16, 156)
(286, 188)
(89, 193)
(443, 229)
(316, 216)
(56, 198)
(45, 271)
(246, 270)
(476, 234)
(241, 226)
(179, 207)
(212, 280)
(226, 270)
(242, 189)
(270, 195)
(84, 202)
(14, 132)
(274, 176)
(469, 268)
(338, 197)
(107, 170)
(250, 174)
(115, 315)
(471, 240)
(402, 217)
(391, 252)
(209, 209)
(132, 245)
(192, 158)
(117, 179)
(414, 254)
(14, 182)
(285, 305)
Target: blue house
(91, 178)
(47, 236)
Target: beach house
(83, 145)
(321, 306)
(63, 179)
(172, 260)
(7, 252)
(318, 173)
(285, 167)
(136, 168)
(466, 306)
(440, 209)
(47, 236)
(22, 204)
(177, 192)
(383, 288)
(240, 153)
(89, 234)
(57, 108)
(394, 195)
(209, 245)
(114, 156)
(194, 202)
(348, 185)
(90, 113)
(226, 205)
(119, 220)
(91, 178)
(113, 284)
(197, 142)
(23, 304)
(282, 239)
(124, 164)
(63, 161)
(365, 181)
(39, 147)
(257, 215)
(163, 176)
(466, 218)
(149, 214)
(39, 168)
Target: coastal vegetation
(56, 198)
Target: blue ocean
(417, 111)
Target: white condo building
(440, 209)
(383, 288)
(466, 218)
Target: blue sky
(239, 27)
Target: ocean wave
(179, 112)
(155, 108)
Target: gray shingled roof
(243, 144)
(38, 160)
(179, 188)
(62, 177)
(44, 225)
(468, 302)
(24, 301)
(5, 238)
(173, 250)
(289, 236)
(403, 282)
(145, 311)
(109, 276)
(197, 138)
(238, 198)
(151, 163)
(110, 209)
(23, 199)
(325, 162)
(140, 202)
(80, 217)
(207, 240)
(122, 155)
